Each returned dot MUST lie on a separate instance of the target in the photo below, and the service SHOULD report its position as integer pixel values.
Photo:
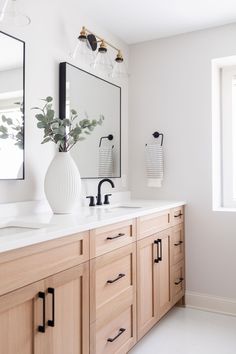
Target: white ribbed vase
(62, 184)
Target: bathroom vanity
(92, 283)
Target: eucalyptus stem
(67, 132)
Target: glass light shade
(11, 16)
(119, 70)
(84, 52)
(103, 63)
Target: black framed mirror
(99, 155)
(12, 107)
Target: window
(224, 133)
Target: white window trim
(217, 183)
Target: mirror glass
(11, 107)
(99, 155)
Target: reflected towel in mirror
(105, 167)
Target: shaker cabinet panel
(20, 318)
(147, 284)
(68, 311)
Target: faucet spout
(99, 196)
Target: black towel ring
(157, 134)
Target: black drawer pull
(156, 260)
(178, 243)
(178, 216)
(179, 281)
(121, 330)
(42, 327)
(160, 242)
(114, 237)
(121, 275)
(51, 323)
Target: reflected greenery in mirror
(13, 128)
(12, 99)
(63, 132)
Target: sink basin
(119, 207)
(15, 227)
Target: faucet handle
(106, 198)
(91, 203)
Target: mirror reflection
(11, 107)
(92, 97)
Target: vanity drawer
(177, 215)
(110, 276)
(177, 282)
(115, 333)
(30, 264)
(177, 244)
(108, 238)
(150, 224)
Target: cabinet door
(164, 291)
(68, 311)
(21, 313)
(147, 284)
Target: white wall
(49, 40)
(170, 91)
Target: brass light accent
(119, 57)
(93, 40)
(103, 47)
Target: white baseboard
(210, 303)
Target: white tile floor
(188, 331)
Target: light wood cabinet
(95, 292)
(113, 301)
(68, 311)
(19, 321)
(164, 290)
(149, 224)
(111, 237)
(153, 279)
(47, 317)
(147, 284)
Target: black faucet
(99, 197)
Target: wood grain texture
(150, 224)
(108, 267)
(100, 244)
(147, 285)
(30, 264)
(177, 244)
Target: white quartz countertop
(86, 218)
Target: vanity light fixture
(89, 43)
(11, 16)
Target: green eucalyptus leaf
(3, 129)
(41, 125)
(4, 136)
(39, 116)
(46, 140)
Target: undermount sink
(15, 227)
(118, 207)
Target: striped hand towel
(154, 165)
(105, 167)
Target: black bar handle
(160, 242)
(42, 328)
(178, 243)
(156, 260)
(121, 275)
(121, 330)
(178, 216)
(114, 237)
(51, 323)
(179, 281)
